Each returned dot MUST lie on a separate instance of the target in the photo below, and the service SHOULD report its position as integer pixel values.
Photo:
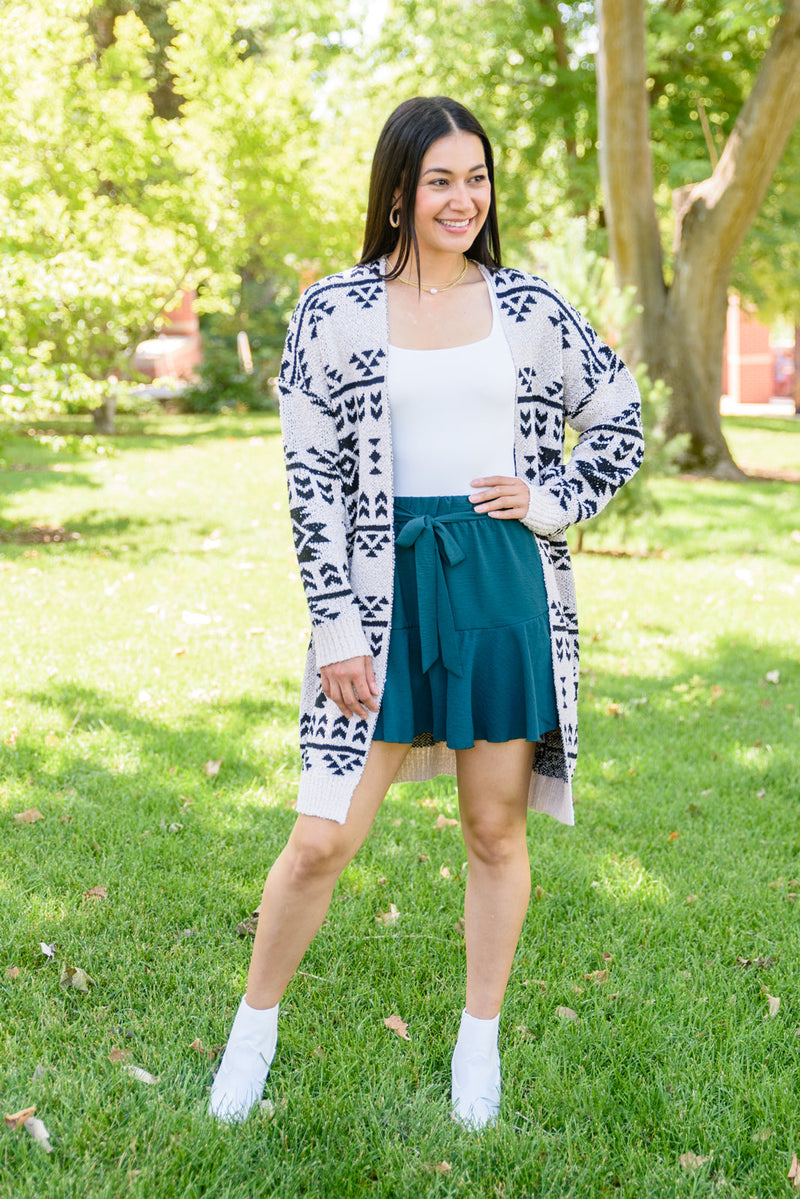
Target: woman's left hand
(502, 498)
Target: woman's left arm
(601, 401)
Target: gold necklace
(434, 291)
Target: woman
(423, 399)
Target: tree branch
(725, 205)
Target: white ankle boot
(476, 1072)
(239, 1084)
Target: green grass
(685, 855)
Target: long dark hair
(410, 130)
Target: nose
(461, 199)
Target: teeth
(455, 224)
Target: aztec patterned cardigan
(338, 449)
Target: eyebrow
(445, 171)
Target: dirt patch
(37, 535)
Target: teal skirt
(469, 654)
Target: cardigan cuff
(545, 515)
(340, 639)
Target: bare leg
(493, 785)
(299, 886)
(493, 782)
(296, 897)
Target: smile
(455, 224)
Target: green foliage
(109, 208)
(222, 382)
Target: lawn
(154, 633)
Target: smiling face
(453, 196)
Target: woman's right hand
(351, 685)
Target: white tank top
(452, 414)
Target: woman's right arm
(318, 515)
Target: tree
(680, 330)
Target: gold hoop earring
(394, 217)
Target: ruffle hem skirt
(469, 655)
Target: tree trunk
(690, 339)
(626, 168)
(680, 334)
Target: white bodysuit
(452, 414)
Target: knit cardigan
(338, 450)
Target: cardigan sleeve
(316, 493)
(601, 401)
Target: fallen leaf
(390, 917)
(596, 976)
(566, 1013)
(39, 1072)
(96, 893)
(690, 1161)
(774, 1005)
(139, 1074)
(29, 816)
(759, 963)
(119, 1055)
(248, 926)
(445, 872)
(49, 951)
(75, 976)
(773, 676)
(17, 1119)
(39, 1133)
(608, 957)
(442, 1168)
(614, 710)
(673, 836)
(460, 925)
(423, 857)
(539, 892)
(690, 899)
(395, 1024)
(211, 768)
(794, 1173)
(382, 881)
(12, 972)
(198, 1046)
(445, 822)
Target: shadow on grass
(755, 517)
(158, 432)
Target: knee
(494, 843)
(317, 854)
